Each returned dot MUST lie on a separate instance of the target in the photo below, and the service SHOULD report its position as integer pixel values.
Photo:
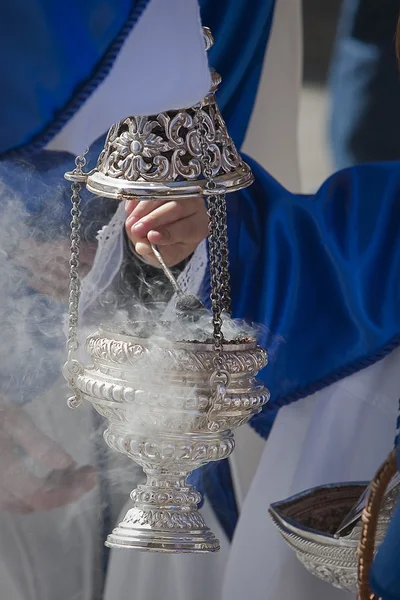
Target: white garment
(54, 554)
(342, 433)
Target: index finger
(143, 208)
(130, 205)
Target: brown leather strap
(370, 515)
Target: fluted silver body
(163, 412)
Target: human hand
(177, 227)
(48, 265)
(21, 491)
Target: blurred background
(320, 20)
(351, 86)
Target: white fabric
(107, 262)
(162, 65)
(54, 554)
(323, 438)
(342, 433)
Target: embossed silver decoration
(170, 422)
(323, 527)
(171, 406)
(161, 155)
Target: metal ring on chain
(222, 376)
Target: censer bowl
(163, 411)
(323, 527)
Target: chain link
(74, 280)
(217, 240)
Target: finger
(43, 494)
(164, 215)
(66, 489)
(49, 289)
(188, 231)
(142, 210)
(29, 492)
(19, 426)
(144, 249)
(130, 205)
(53, 272)
(19, 484)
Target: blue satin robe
(320, 273)
(385, 576)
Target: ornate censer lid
(160, 155)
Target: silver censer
(170, 406)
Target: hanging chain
(72, 367)
(217, 240)
(74, 280)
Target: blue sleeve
(320, 274)
(385, 576)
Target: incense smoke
(39, 435)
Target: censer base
(135, 532)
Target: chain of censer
(217, 239)
(218, 247)
(74, 280)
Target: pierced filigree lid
(159, 156)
